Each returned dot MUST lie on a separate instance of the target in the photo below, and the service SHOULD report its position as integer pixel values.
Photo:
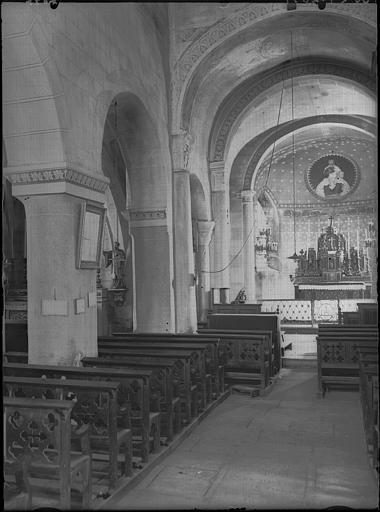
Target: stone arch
(250, 23)
(239, 99)
(132, 159)
(260, 144)
(35, 121)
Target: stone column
(220, 245)
(184, 278)
(153, 277)
(205, 229)
(249, 233)
(53, 199)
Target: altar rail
(310, 311)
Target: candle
(357, 240)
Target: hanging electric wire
(266, 182)
(294, 256)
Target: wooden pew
(252, 323)
(338, 357)
(368, 313)
(193, 385)
(15, 357)
(95, 405)
(350, 318)
(134, 394)
(246, 353)
(106, 345)
(170, 407)
(236, 308)
(322, 328)
(37, 442)
(368, 369)
(213, 365)
(375, 421)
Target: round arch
(251, 154)
(239, 99)
(132, 159)
(251, 23)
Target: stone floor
(286, 450)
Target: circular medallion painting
(332, 177)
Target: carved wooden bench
(134, 395)
(368, 369)
(162, 379)
(95, 405)
(251, 324)
(189, 378)
(375, 421)
(338, 358)
(236, 335)
(105, 346)
(247, 357)
(15, 357)
(212, 350)
(37, 441)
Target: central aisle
(287, 450)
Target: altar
(334, 269)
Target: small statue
(118, 266)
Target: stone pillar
(184, 278)
(220, 245)
(57, 329)
(205, 229)
(153, 277)
(249, 233)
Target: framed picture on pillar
(90, 239)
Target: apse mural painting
(332, 177)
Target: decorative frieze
(68, 175)
(147, 214)
(217, 176)
(309, 210)
(148, 218)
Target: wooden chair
(95, 406)
(37, 444)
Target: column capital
(181, 147)
(205, 229)
(60, 179)
(247, 196)
(217, 176)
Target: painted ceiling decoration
(265, 140)
(332, 177)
